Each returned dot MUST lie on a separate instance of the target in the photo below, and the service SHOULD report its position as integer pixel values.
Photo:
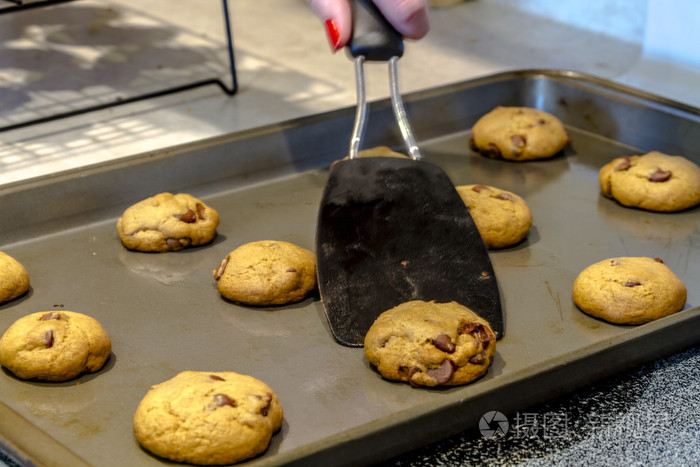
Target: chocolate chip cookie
(430, 344)
(267, 272)
(208, 418)
(502, 217)
(518, 134)
(629, 290)
(654, 181)
(54, 346)
(14, 280)
(167, 222)
(379, 151)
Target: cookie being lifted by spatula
(391, 230)
(430, 344)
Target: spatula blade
(392, 230)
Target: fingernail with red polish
(333, 34)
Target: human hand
(409, 18)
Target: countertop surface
(70, 56)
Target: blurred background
(62, 58)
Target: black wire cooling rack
(14, 6)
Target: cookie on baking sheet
(379, 151)
(14, 280)
(208, 418)
(629, 290)
(54, 346)
(267, 272)
(518, 134)
(430, 344)
(503, 218)
(167, 222)
(654, 181)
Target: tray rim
(569, 76)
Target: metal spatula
(391, 230)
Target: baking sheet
(164, 314)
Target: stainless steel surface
(400, 111)
(164, 314)
(358, 129)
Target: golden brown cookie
(14, 280)
(267, 272)
(503, 218)
(430, 344)
(653, 181)
(54, 346)
(518, 134)
(379, 151)
(208, 418)
(167, 222)
(629, 290)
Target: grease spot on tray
(555, 297)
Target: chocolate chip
(268, 401)
(481, 334)
(444, 343)
(200, 210)
(189, 216)
(217, 378)
(504, 197)
(480, 188)
(477, 330)
(478, 359)
(50, 315)
(218, 272)
(659, 260)
(173, 244)
(518, 142)
(493, 151)
(444, 373)
(660, 175)
(222, 400)
(411, 372)
(632, 283)
(176, 244)
(48, 338)
(292, 270)
(467, 328)
(624, 165)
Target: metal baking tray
(164, 314)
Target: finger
(409, 17)
(336, 16)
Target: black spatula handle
(373, 37)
